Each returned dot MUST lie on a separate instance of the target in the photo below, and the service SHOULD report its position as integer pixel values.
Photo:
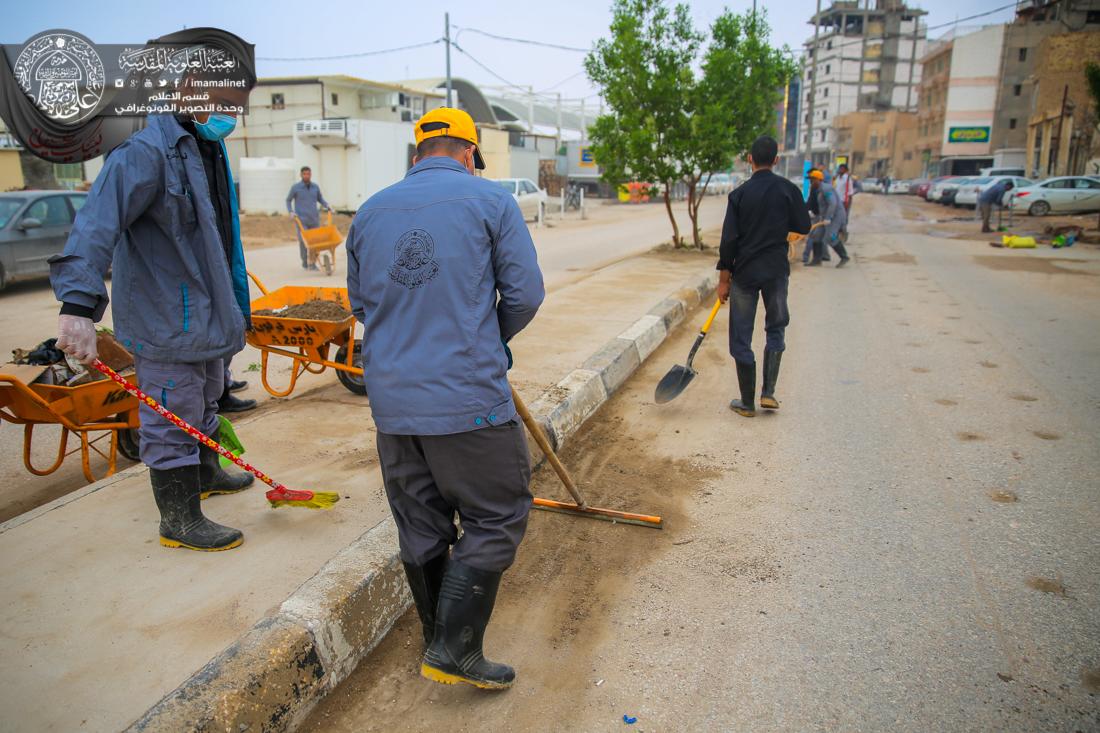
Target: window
(828, 68)
(1092, 16)
(824, 114)
(829, 45)
(1086, 183)
(278, 101)
(528, 187)
(78, 202)
(1062, 183)
(1012, 123)
(1017, 89)
(335, 98)
(908, 155)
(509, 186)
(826, 91)
(1023, 54)
(822, 136)
(51, 211)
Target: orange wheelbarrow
(321, 243)
(306, 342)
(86, 409)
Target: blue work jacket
(427, 259)
(150, 220)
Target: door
(36, 245)
(1059, 194)
(528, 199)
(1086, 194)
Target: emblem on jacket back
(413, 259)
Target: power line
(521, 40)
(563, 81)
(350, 55)
(467, 54)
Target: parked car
(872, 185)
(901, 186)
(33, 227)
(925, 192)
(915, 184)
(950, 188)
(530, 197)
(1063, 194)
(969, 193)
(935, 191)
(1006, 171)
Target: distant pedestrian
(832, 218)
(753, 265)
(993, 195)
(886, 184)
(846, 189)
(302, 202)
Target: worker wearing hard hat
(832, 217)
(442, 272)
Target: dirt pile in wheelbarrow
(311, 310)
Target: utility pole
(447, 38)
(559, 120)
(813, 82)
(531, 109)
(584, 123)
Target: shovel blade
(673, 383)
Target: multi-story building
(1035, 21)
(1062, 137)
(974, 78)
(932, 102)
(859, 58)
(878, 144)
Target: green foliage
(677, 111)
(1092, 76)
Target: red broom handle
(188, 428)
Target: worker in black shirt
(752, 263)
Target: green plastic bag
(229, 440)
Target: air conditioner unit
(327, 132)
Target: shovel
(679, 377)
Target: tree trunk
(676, 241)
(693, 211)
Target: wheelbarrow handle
(256, 280)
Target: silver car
(33, 227)
(1058, 195)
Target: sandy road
(908, 544)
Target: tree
(644, 73)
(734, 101)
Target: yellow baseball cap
(449, 122)
(815, 173)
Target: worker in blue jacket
(302, 201)
(442, 272)
(832, 217)
(162, 217)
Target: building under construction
(863, 56)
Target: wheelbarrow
(321, 243)
(306, 342)
(84, 410)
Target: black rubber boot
(182, 523)
(229, 403)
(236, 385)
(216, 480)
(843, 252)
(771, 375)
(424, 582)
(466, 600)
(746, 380)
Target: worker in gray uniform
(832, 217)
(302, 201)
(442, 273)
(162, 216)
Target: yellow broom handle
(713, 313)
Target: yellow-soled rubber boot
(771, 376)
(182, 523)
(746, 382)
(466, 599)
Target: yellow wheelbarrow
(86, 409)
(321, 243)
(306, 342)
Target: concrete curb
(270, 679)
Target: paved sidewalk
(100, 622)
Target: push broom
(580, 508)
(279, 495)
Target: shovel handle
(547, 449)
(711, 317)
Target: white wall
(972, 87)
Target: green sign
(968, 135)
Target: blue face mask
(216, 127)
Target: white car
(1062, 194)
(969, 193)
(935, 192)
(899, 187)
(530, 197)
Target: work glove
(76, 337)
(826, 222)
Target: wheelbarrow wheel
(326, 263)
(353, 382)
(129, 444)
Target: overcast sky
(303, 28)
